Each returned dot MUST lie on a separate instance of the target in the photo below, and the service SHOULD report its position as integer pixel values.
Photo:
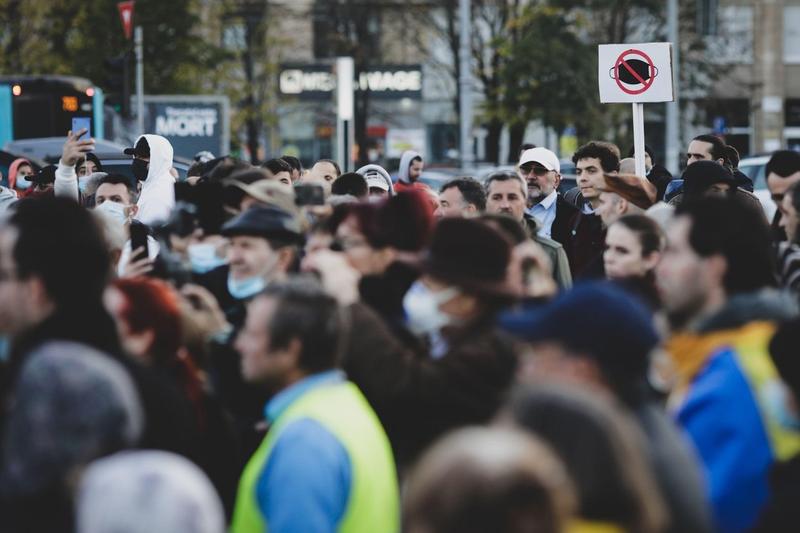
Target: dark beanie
(700, 176)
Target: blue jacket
(722, 403)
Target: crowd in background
(278, 348)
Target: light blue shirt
(281, 401)
(305, 484)
(545, 213)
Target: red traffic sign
(634, 72)
(126, 15)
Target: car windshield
(755, 171)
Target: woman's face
(623, 256)
(24, 171)
(359, 253)
(86, 168)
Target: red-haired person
(148, 315)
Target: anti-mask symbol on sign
(641, 69)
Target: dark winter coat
(416, 397)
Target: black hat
(45, 175)
(142, 149)
(267, 222)
(470, 254)
(700, 176)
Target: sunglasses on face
(536, 171)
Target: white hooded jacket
(405, 162)
(157, 197)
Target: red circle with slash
(646, 83)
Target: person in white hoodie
(152, 162)
(410, 170)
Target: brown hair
(481, 479)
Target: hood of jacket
(14, 169)
(161, 154)
(747, 319)
(371, 170)
(405, 162)
(766, 305)
(157, 197)
(7, 199)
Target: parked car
(755, 168)
(48, 149)
(120, 163)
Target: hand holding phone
(78, 144)
(82, 123)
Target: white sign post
(345, 111)
(636, 74)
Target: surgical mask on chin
(245, 288)
(248, 287)
(421, 305)
(776, 395)
(203, 258)
(23, 183)
(115, 209)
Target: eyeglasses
(536, 171)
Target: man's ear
(36, 289)
(133, 209)
(717, 267)
(286, 257)
(622, 205)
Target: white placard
(635, 73)
(399, 140)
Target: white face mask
(22, 183)
(115, 209)
(203, 257)
(421, 305)
(83, 181)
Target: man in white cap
(379, 182)
(541, 170)
(378, 186)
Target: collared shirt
(545, 213)
(281, 401)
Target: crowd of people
(278, 348)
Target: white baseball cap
(540, 155)
(376, 180)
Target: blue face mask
(22, 183)
(203, 258)
(83, 181)
(242, 289)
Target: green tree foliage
(75, 37)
